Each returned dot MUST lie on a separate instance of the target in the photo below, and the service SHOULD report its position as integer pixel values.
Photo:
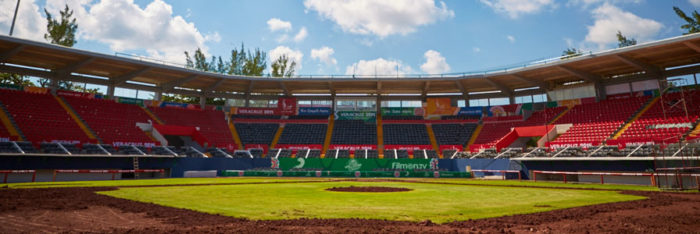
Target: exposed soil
(368, 189)
(82, 210)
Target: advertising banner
(409, 148)
(132, 101)
(347, 164)
(353, 147)
(74, 94)
(439, 106)
(402, 111)
(255, 111)
(474, 111)
(356, 115)
(315, 111)
(287, 106)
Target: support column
(600, 91)
(333, 103)
(202, 102)
(695, 78)
(110, 91)
(53, 85)
(158, 96)
(247, 100)
(511, 99)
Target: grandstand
(623, 110)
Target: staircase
(329, 134)
(277, 136)
(433, 142)
(152, 115)
(10, 124)
(475, 134)
(380, 136)
(78, 120)
(639, 113)
(560, 115)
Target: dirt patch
(368, 189)
(82, 210)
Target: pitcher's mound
(368, 189)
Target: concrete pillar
(53, 85)
(202, 102)
(110, 91)
(600, 91)
(247, 100)
(378, 104)
(333, 104)
(511, 99)
(158, 96)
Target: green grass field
(437, 202)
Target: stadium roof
(653, 60)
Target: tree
(570, 53)
(238, 58)
(693, 25)
(623, 41)
(282, 67)
(61, 32)
(15, 79)
(255, 63)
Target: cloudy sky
(358, 36)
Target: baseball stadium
(602, 142)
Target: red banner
(287, 106)
(409, 148)
(74, 94)
(451, 147)
(353, 147)
(256, 111)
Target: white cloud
(124, 26)
(695, 3)
(476, 49)
(434, 63)
(29, 24)
(301, 35)
(293, 55)
(378, 67)
(609, 19)
(275, 24)
(511, 38)
(324, 54)
(587, 3)
(515, 8)
(381, 18)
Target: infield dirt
(82, 210)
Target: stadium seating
(303, 134)
(212, 123)
(424, 154)
(256, 133)
(354, 132)
(308, 153)
(338, 153)
(367, 153)
(453, 134)
(41, 118)
(395, 153)
(594, 122)
(406, 134)
(114, 123)
(279, 153)
(496, 128)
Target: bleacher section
(256, 133)
(41, 118)
(453, 134)
(114, 123)
(495, 128)
(594, 122)
(303, 134)
(354, 132)
(405, 134)
(212, 123)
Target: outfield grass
(437, 202)
(165, 181)
(529, 183)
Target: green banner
(132, 101)
(11, 86)
(356, 115)
(347, 164)
(423, 174)
(398, 111)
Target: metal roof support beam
(331, 88)
(649, 68)
(71, 68)
(504, 89)
(247, 93)
(465, 94)
(692, 46)
(4, 56)
(214, 86)
(379, 87)
(284, 88)
(123, 79)
(581, 74)
(426, 86)
(172, 84)
(542, 85)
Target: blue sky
(359, 36)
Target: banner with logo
(132, 101)
(402, 111)
(287, 106)
(74, 94)
(439, 106)
(353, 147)
(356, 115)
(254, 111)
(347, 164)
(474, 111)
(314, 111)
